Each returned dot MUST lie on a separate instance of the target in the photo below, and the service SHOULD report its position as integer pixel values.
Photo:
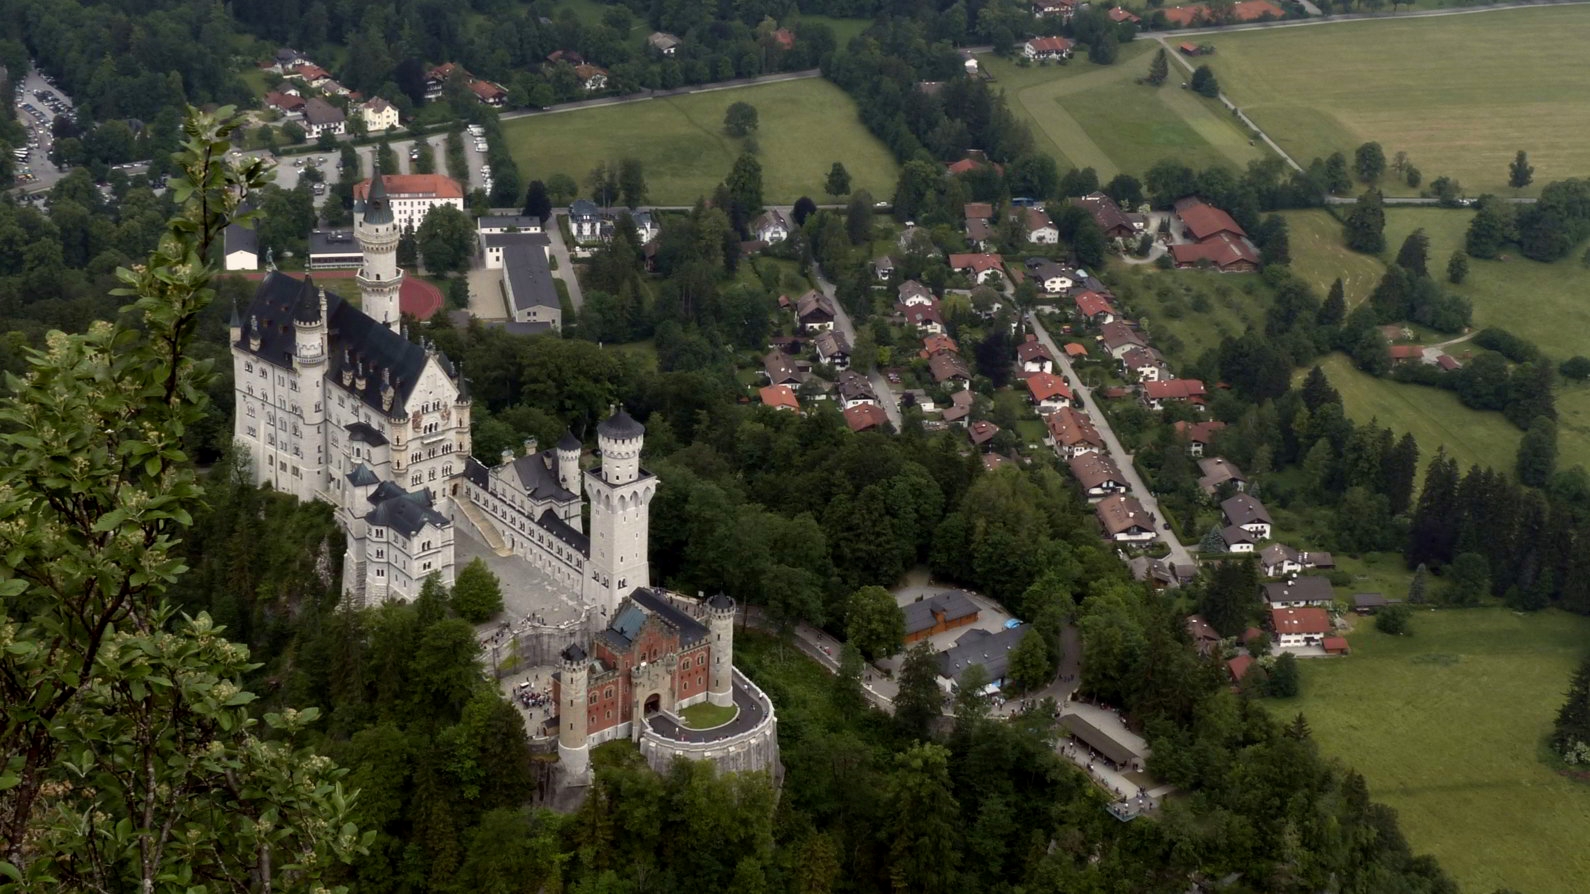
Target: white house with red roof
(1047, 48)
(1155, 394)
(1295, 627)
(1094, 308)
(1049, 392)
(981, 267)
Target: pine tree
(1400, 468)
(920, 701)
(1537, 453)
(1212, 543)
(1334, 310)
(1298, 729)
(1317, 390)
(1520, 173)
(1159, 68)
(1285, 679)
(1434, 532)
(1571, 735)
(1419, 588)
(1414, 255)
(1366, 225)
(1230, 596)
(1457, 267)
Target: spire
(377, 208)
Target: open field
(1433, 416)
(1319, 255)
(1190, 311)
(844, 29)
(686, 152)
(1096, 116)
(1446, 726)
(1452, 92)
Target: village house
(866, 417)
(378, 114)
(1117, 337)
(240, 248)
(1198, 435)
(526, 279)
(1071, 433)
(1200, 220)
(1156, 393)
(1098, 475)
(833, 348)
(1298, 592)
(1108, 215)
(321, 117)
(978, 225)
(1034, 356)
(912, 293)
(981, 433)
(1144, 365)
(1050, 9)
(592, 77)
(815, 311)
(949, 370)
(939, 613)
(1041, 48)
(924, 318)
(288, 103)
(771, 226)
(489, 93)
(1239, 539)
(982, 268)
(1223, 252)
(1297, 627)
(933, 344)
(1280, 560)
(1036, 226)
(285, 60)
(1075, 350)
(1214, 472)
(310, 74)
(1204, 637)
(1405, 354)
(779, 370)
(1093, 308)
(960, 407)
(587, 222)
(663, 42)
(1124, 519)
(1246, 512)
(990, 651)
(975, 160)
(1120, 15)
(780, 397)
(854, 389)
(883, 268)
(1051, 278)
(1048, 392)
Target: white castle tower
(620, 493)
(720, 624)
(573, 750)
(380, 279)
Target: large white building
(335, 404)
(412, 196)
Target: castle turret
(569, 462)
(573, 751)
(380, 279)
(309, 319)
(720, 624)
(620, 495)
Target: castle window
(433, 474)
(418, 480)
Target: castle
(334, 403)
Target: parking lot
(38, 102)
(288, 169)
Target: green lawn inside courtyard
(1447, 727)
(705, 715)
(1460, 94)
(1097, 116)
(806, 126)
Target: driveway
(560, 254)
(1178, 553)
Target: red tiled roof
(864, 416)
(398, 186)
(935, 343)
(1300, 620)
(979, 211)
(285, 102)
(1104, 211)
(1047, 386)
(1222, 250)
(311, 72)
(1119, 14)
(487, 90)
(1091, 304)
(921, 314)
(978, 263)
(1203, 220)
(1239, 667)
(1175, 389)
(1073, 349)
(1070, 427)
(1334, 644)
(779, 397)
(1406, 352)
(1050, 45)
(982, 431)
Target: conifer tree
(1159, 68)
(1435, 518)
(1571, 735)
(1366, 224)
(1334, 310)
(1520, 173)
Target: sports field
(1447, 725)
(1460, 94)
(1096, 116)
(806, 126)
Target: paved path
(560, 253)
(1178, 553)
(880, 384)
(749, 716)
(1423, 200)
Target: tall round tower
(720, 624)
(620, 437)
(573, 751)
(569, 462)
(380, 279)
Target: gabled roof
(413, 186)
(237, 237)
(1104, 211)
(864, 416)
(1116, 334)
(921, 315)
(1199, 432)
(320, 113)
(1047, 386)
(982, 431)
(1074, 349)
(1095, 470)
(538, 476)
(979, 211)
(1222, 250)
(1203, 220)
(952, 604)
(1244, 509)
(407, 512)
(1050, 45)
(1300, 620)
(854, 386)
(831, 343)
(1119, 513)
(1091, 304)
(1276, 553)
(913, 289)
(524, 261)
(1071, 427)
(779, 397)
(934, 343)
(778, 368)
(1217, 471)
(642, 604)
(1032, 349)
(946, 366)
(977, 646)
(1311, 589)
(978, 263)
(814, 304)
(1175, 389)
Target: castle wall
(755, 750)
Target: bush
(1393, 620)
(1575, 367)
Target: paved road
(750, 715)
(889, 400)
(1420, 200)
(560, 253)
(1178, 553)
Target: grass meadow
(806, 126)
(1460, 94)
(1191, 311)
(1097, 116)
(1447, 727)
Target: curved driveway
(750, 715)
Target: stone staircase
(483, 526)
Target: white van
(475, 130)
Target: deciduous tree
(874, 623)
(477, 596)
(740, 119)
(446, 239)
(919, 701)
(1366, 224)
(1393, 620)
(1369, 162)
